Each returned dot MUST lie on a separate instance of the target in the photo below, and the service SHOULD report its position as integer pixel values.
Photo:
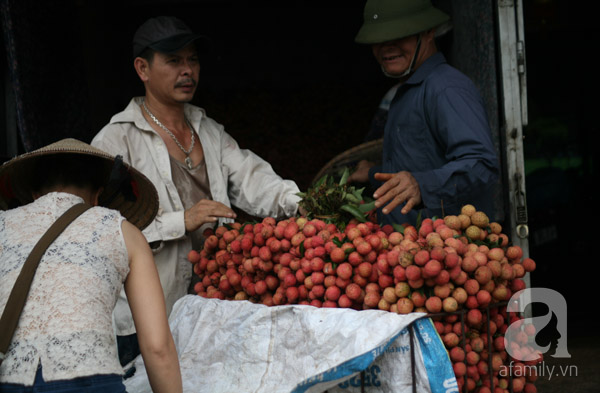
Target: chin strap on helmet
(411, 65)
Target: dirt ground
(579, 373)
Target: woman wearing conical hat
(64, 340)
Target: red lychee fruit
(389, 295)
(449, 304)
(460, 294)
(332, 293)
(438, 253)
(450, 340)
(457, 354)
(451, 260)
(290, 230)
(514, 253)
(418, 298)
(480, 219)
(344, 271)
(413, 272)
(474, 317)
(353, 291)
(405, 305)
(433, 304)
(453, 222)
(472, 358)
(371, 299)
(471, 286)
(421, 257)
(395, 238)
(483, 274)
(484, 298)
(460, 369)
(365, 269)
(432, 268)
(528, 264)
(469, 264)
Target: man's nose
(186, 70)
(186, 67)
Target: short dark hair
(68, 170)
(148, 55)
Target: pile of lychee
(460, 269)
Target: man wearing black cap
(197, 168)
(437, 150)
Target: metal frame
(513, 113)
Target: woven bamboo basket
(370, 151)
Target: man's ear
(141, 68)
(429, 35)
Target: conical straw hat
(132, 193)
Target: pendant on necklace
(189, 162)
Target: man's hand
(302, 211)
(361, 174)
(205, 211)
(398, 188)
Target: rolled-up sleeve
(253, 184)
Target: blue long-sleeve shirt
(438, 130)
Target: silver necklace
(188, 160)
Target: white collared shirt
(237, 176)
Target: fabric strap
(18, 295)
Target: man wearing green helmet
(438, 152)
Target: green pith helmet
(386, 20)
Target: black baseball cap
(166, 34)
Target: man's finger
(409, 205)
(220, 212)
(395, 202)
(383, 176)
(386, 188)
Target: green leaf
(354, 211)
(302, 249)
(320, 181)
(497, 244)
(351, 198)
(366, 207)
(419, 220)
(344, 178)
(398, 228)
(358, 193)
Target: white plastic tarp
(238, 346)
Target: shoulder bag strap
(18, 295)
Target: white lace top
(67, 321)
